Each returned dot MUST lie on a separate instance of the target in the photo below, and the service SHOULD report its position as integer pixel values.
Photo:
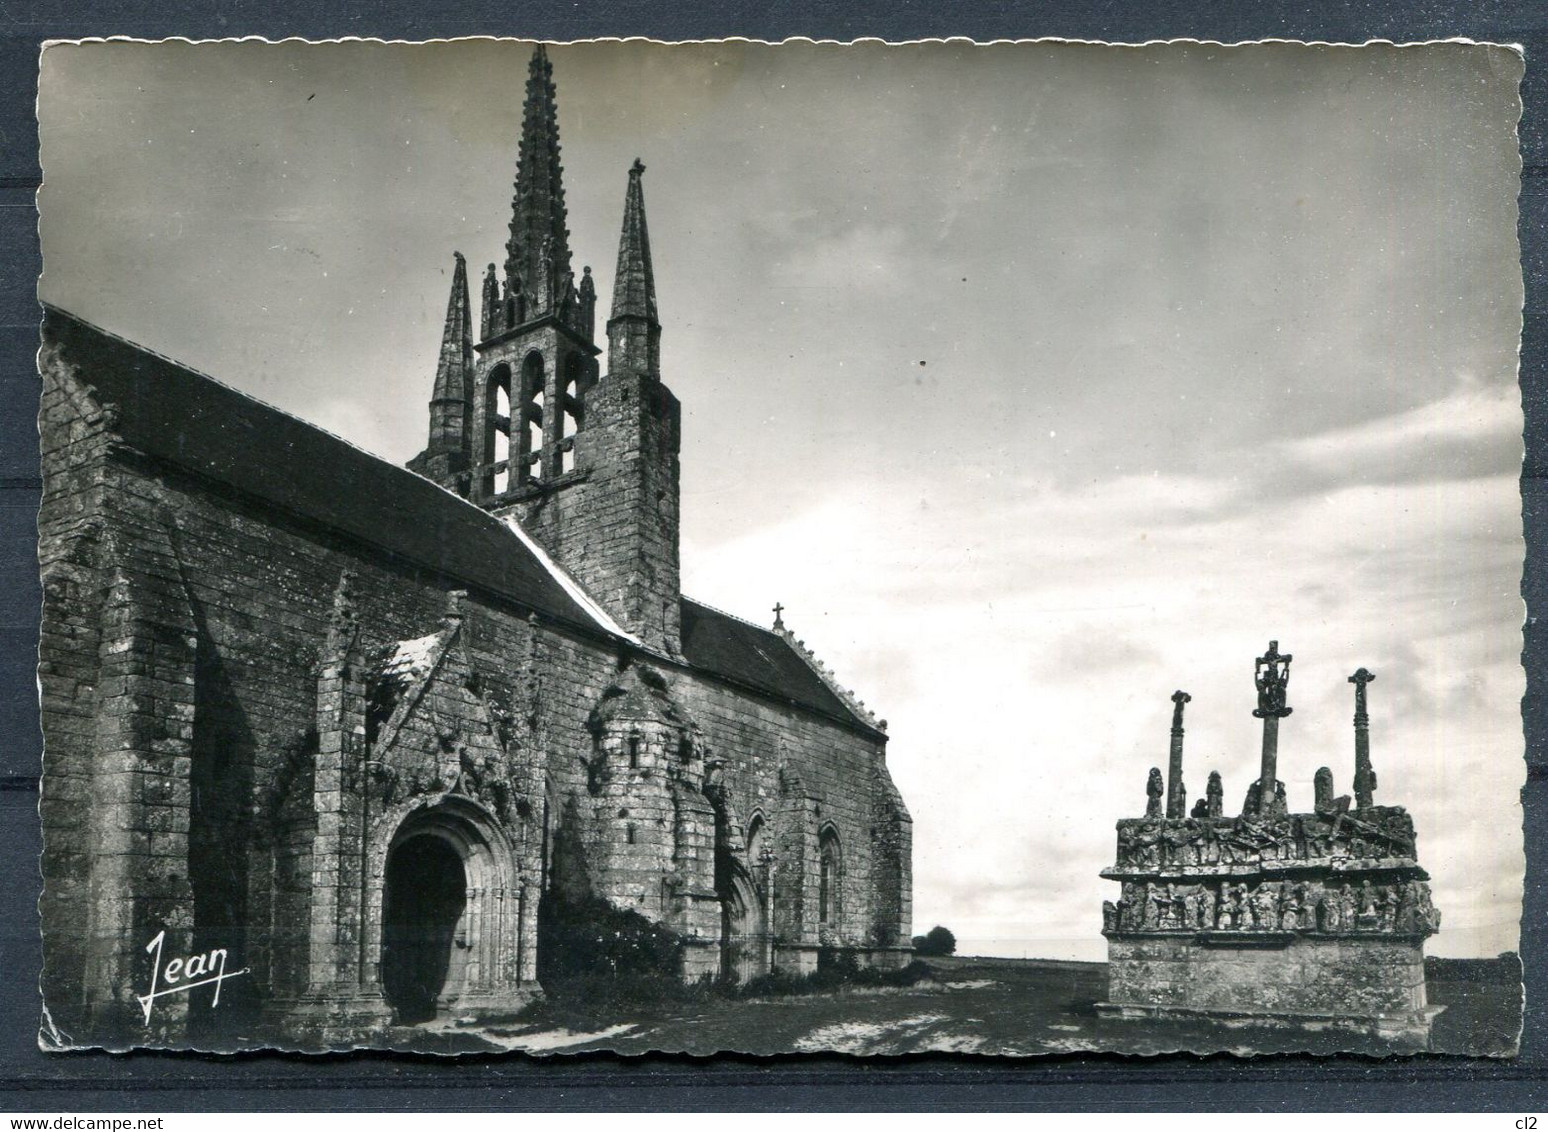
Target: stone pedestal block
(1353, 983)
(1315, 921)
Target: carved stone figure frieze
(1265, 904)
(1333, 834)
(1366, 918)
(1301, 907)
(1388, 908)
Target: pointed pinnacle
(634, 283)
(456, 339)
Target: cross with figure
(1271, 674)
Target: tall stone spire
(445, 458)
(451, 400)
(537, 265)
(633, 332)
(599, 487)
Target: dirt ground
(994, 1007)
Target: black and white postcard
(1006, 549)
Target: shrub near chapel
(936, 941)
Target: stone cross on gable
(779, 621)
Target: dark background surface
(148, 1082)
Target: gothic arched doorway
(742, 940)
(426, 893)
(452, 926)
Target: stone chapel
(396, 743)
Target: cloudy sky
(1037, 381)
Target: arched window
(568, 420)
(755, 841)
(531, 432)
(497, 431)
(830, 876)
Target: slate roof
(179, 415)
(758, 657)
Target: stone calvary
(1310, 920)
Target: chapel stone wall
(224, 617)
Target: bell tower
(522, 425)
(536, 356)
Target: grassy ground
(976, 1006)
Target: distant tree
(936, 941)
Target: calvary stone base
(1315, 921)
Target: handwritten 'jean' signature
(204, 969)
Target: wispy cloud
(864, 258)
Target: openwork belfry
(405, 743)
(1314, 919)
